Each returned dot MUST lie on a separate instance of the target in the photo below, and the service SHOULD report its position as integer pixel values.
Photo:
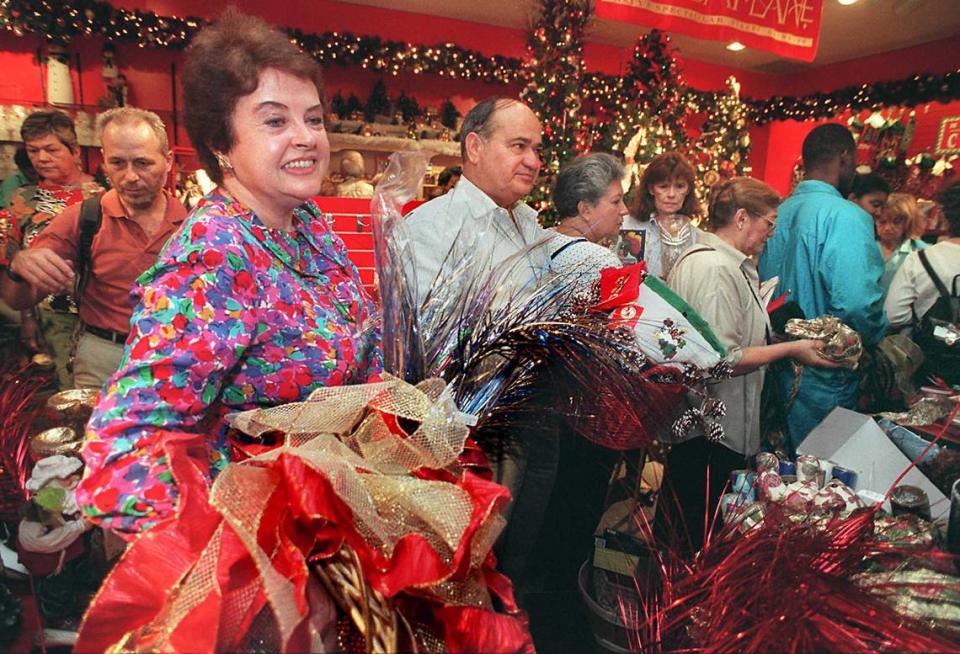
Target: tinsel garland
(62, 20)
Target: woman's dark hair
(41, 123)
(665, 168)
(949, 199)
(585, 178)
(223, 64)
(740, 193)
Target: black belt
(106, 334)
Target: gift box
(856, 442)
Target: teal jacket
(828, 261)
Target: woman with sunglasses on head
(718, 277)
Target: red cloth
(305, 520)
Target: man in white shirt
(483, 214)
(483, 217)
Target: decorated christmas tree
(723, 148)
(553, 70)
(647, 105)
(643, 113)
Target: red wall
(776, 146)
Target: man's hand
(30, 332)
(44, 270)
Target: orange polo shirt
(120, 252)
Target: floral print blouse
(233, 316)
(29, 210)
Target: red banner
(789, 28)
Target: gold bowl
(58, 440)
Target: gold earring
(223, 162)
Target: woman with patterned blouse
(253, 302)
(52, 147)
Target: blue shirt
(896, 260)
(828, 261)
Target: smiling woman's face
(280, 152)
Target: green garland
(63, 20)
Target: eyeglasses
(771, 224)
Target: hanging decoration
(788, 30)
(64, 20)
(910, 92)
(553, 72)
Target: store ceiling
(847, 32)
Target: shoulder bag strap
(936, 280)
(91, 216)
(563, 247)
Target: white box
(855, 441)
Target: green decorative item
(378, 104)
(553, 72)
(338, 106)
(449, 114)
(408, 107)
(353, 107)
(50, 498)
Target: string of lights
(63, 20)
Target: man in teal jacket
(826, 256)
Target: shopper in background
(870, 191)
(827, 261)
(589, 199)
(912, 291)
(718, 278)
(51, 144)
(660, 218)
(26, 174)
(136, 217)
(899, 229)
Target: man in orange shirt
(137, 218)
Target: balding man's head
(500, 144)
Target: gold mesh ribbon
(343, 433)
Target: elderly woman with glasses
(717, 276)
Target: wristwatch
(14, 276)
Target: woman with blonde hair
(899, 229)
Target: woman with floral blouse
(253, 302)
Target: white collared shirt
(467, 221)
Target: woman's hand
(809, 353)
